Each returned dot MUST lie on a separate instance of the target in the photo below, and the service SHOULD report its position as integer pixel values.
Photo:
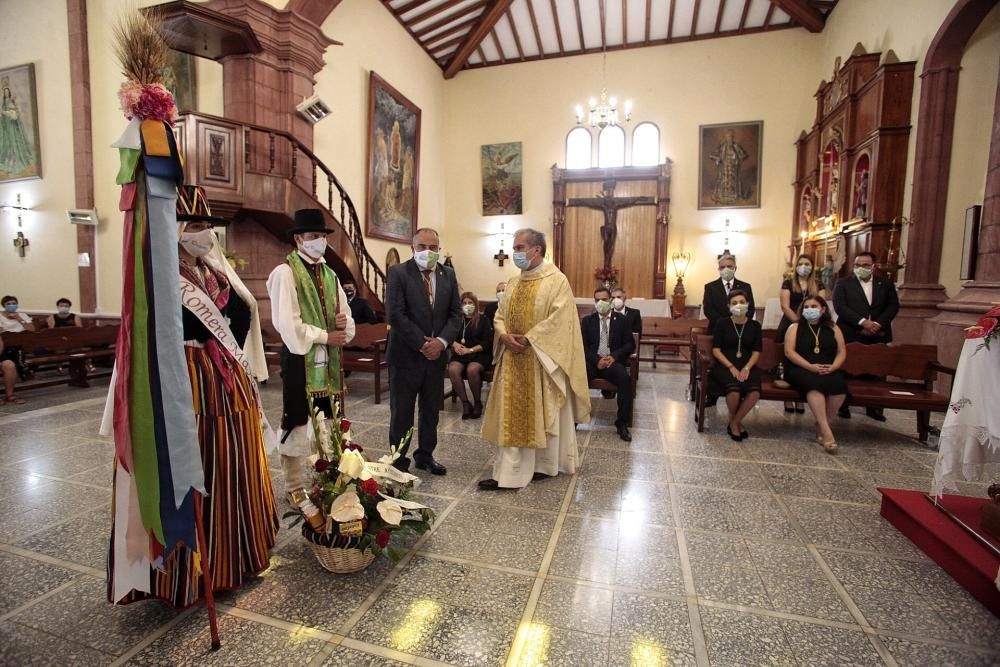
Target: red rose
(352, 446)
(369, 486)
(345, 425)
(321, 465)
(382, 538)
(984, 327)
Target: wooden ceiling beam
(579, 23)
(808, 17)
(475, 36)
(534, 28)
(718, 17)
(497, 46)
(624, 21)
(743, 17)
(649, 14)
(517, 40)
(462, 13)
(431, 13)
(462, 28)
(555, 17)
(767, 18)
(604, 19)
(670, 20)
(482, 56)
(444, 46)
(694, 17)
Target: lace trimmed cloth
(969, 448)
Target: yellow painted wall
(909, 35)
(49, 271)
(678, 87)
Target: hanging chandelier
(604, 112)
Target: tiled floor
(679, 548)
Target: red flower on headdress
(382, 538)
(983, 328)
(152, 102)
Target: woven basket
(335, 553)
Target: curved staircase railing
(226, 156)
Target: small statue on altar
(834, 201)
(861, 199)
(826, 274)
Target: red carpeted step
(969, 562)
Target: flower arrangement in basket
(356, 509)
(608, 275)
(986, 328)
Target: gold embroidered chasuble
(525, 399)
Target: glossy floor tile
(679, 548)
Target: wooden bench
(909, 373)
(633, 374)
(366, 354)
(664, 333)
(76, 346)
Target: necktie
(602, 346)
(729, 286)
(427, 283)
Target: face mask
(804, 270)
(618, 303)
(738, 309)
(727, 274)
(499, 295)
(521, 260)
(811, 314)
(315, 248)
(63, 310)
(426, 259)
(468, 309)
(862, 272)
(198, 244)
(10, 307)
(602, 307)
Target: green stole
(320, 380)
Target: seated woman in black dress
(803, 283)
(470, 355)
(815, 351)
(736, 348)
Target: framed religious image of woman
(729, 165)
(970, 242)
(20, 150)
(393, 163)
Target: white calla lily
(347, 507)
(390, 512)
(352, 464)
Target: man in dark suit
(490, 311)
(425, 317)
(361, 310)
(632, 316)
(607, 345)
(866, 304)
(715, 302)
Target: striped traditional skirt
(241, 522)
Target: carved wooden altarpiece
(640, 252)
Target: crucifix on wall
(609, 205)
(21, 244)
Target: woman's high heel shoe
(477, 410)
(830, 447)
(732, 435)
(466, 410)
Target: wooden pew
(633, 374)
(73, 345)
(366, 354)
(660, 332)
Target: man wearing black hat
(310, 312)
(425, 317)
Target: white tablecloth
(970, 438)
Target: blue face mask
(811, 314)
(10, 307)
(63, 310)
(521, 260)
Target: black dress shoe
(488, 485)
(401, 464)
(430, 464)
(844, 412)
(876, 413)
(735, 436)
(539, 476)
(623, 433)
(744, 435)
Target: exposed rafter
(808, 17)
(475, 36)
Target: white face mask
(426, 259)
(499, 295)
(315, 248)
(198, 244)
(618, 303)
(468, 309)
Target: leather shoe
(431, 465)
(876, 414)
(489, 484)
(623, 433)
(539, 476)
(401, 464)
(844, 412)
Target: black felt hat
(310, 220)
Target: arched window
(645, 145)
(611, 147)
(578, 148)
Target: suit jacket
(412, 318)
(852, 306)
(715, 302)
(633, 319)
(362, 311)
(621, 344)
(490, 311)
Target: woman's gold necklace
(815, 334)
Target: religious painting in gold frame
(501, 172)
(729, 165)
(393, 163)
(20, 148)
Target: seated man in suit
(490, 311)
(607, 345)
(361, 310)
(715, 301)
(866, 304)
(632, 316)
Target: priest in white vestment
(540, 389)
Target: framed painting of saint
(729, 165)
(20, 150)
(393, 163)
(501, 172)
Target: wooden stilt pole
(206, 575)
